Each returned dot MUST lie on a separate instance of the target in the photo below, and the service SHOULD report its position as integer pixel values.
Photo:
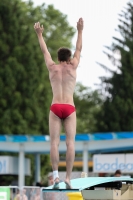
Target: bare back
(63, 79)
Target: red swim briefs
(62, 110)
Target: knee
(70, 144)
(54, 144)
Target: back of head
(64, 54)
(118, 173)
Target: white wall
(9, 165)
(111, 162)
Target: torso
(63, 80)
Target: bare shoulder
(53, 67)
(74, 63)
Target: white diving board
(80, 184)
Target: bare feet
(68, 185)
(56, 183)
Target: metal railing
(29, 193)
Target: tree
(117, 110)
(25, 92)
(87, 104)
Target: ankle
(56, 180)
(55, 175)
(67, 180)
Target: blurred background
(103, 94)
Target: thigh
(54, 126)
(70, 127)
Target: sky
(100, 21)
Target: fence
(36, 193)
(29, 193)
(8, 193)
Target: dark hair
(118, 171)
(64, 54)
(38, 184)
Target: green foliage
(25, 91)
(117, 111)
(87, 104)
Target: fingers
(37, 25)
(81, 21)
(80, 24)
(42, 28)
(39, 29)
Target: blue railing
(78, 137)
